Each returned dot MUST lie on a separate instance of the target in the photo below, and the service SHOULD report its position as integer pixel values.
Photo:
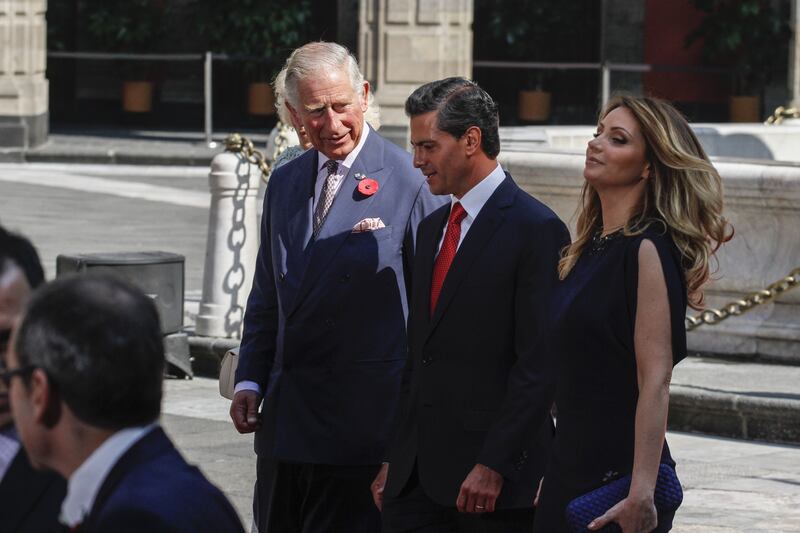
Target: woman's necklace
(600, 241)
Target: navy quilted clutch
(583, 509)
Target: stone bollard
(232, 245)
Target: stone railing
(741, 141)
(763, 204)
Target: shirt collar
(475, 198)
(9, 447)
(85, 482)
(351, 157)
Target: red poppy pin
(367, 186)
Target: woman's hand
(634, 515)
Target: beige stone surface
(405, 43)
(23, 30)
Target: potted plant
(529, 30)
(260, 32)
(751, 36)
(130, 26)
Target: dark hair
(19, 251)
(460, 104)
(99, 341)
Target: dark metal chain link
(738, 307)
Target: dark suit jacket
(324, 331)
(479, 382)
(30, 501)
(152, 489)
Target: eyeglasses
(7, 375)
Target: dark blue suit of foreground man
(85, 371)
(324, 340)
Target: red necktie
(447, 253)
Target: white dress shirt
(474, 200)
(322, 173)
(9, 447)
(344, 167)
(86, 481)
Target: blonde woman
(649, 223)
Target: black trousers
(309, 498)
(413, 510)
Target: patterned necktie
(325, 196)
(447, 253)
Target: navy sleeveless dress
(594, 318)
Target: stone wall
(23, 87)
(763, 203)
(405, 43)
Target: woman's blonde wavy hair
(683, 194)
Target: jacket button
(329, 322)
(282, 276)
(427, 360)
(345, 278)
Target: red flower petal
(368, 187)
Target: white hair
(312, 58)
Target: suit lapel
(300, 202)
(154, 443)
(21, 489)
(349, 207)
(483, 227)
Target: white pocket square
(368, 224)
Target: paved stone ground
(66, 209)
(730, 486)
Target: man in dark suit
(324, 339)
(29, 499)
(474, 423)
(84, 370)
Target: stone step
(745, 400)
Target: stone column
(23, 86)
(405, 43)
(232, 246)
(794, 55)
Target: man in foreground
(474, 426)
(85, 371)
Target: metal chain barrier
(781, 113)
(738, 307)
(239, 144)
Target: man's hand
(479, 491)
(378, 484)
(244, 411)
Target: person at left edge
(324, 339)
(85, 370)
(29, 499)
